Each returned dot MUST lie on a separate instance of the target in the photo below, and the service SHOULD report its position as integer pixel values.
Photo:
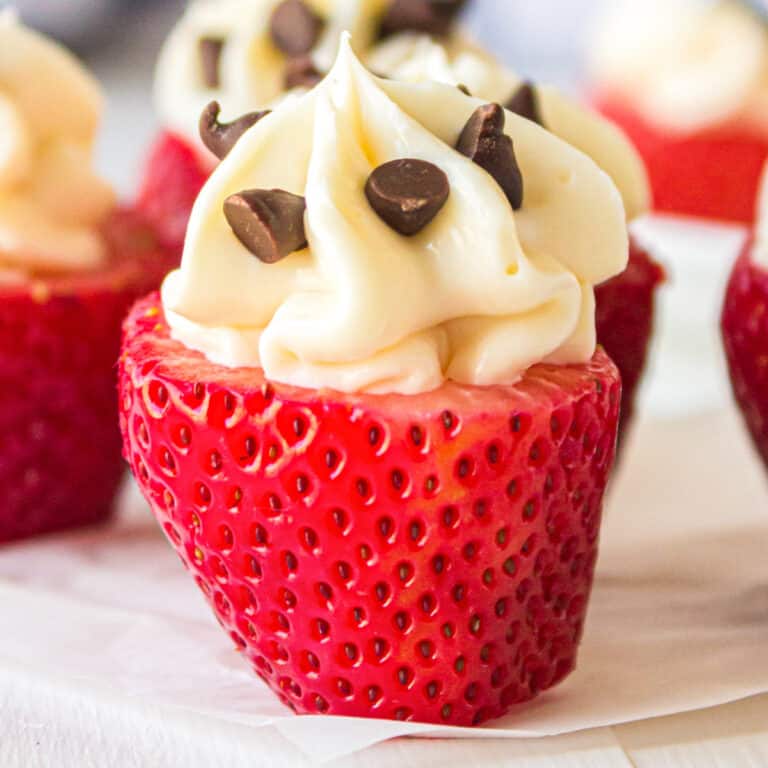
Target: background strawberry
(174, 175)
(425, 557)
(714, 174)
(745, 334)
(624, 320)
(60, 460)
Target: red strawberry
(420, 557)
(713, 173)
(59, 341)
(745, 333)
(175, 173)
(624, 320)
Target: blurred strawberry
(745, 334)
(624, 320)
(174, 175)
(60, 460)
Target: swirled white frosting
(478, 296)
(684, 65)
(51, 203)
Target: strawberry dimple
(426, 557)
(745, 335)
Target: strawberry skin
(713, 173)
(174, 175)
(745, 335)
(422, 557)
(624, 320)
(60, 460)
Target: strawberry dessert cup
(744, 325)
(71, 264)
(420, 45)
(691, 95)
(369, 411)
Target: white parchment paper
(679, 617)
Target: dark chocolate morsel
(295, 27)
(407, 194)
(221, 137)
(463, 88)
(301, 73)
(484, 142)
(431, 17)
(268, 222)
(210, 49)
(525, 102)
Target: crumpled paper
(678, 620)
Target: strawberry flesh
(745, 335)
(424, 557)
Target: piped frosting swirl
(477, 296)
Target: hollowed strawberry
(422, 557)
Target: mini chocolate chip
(210, 49)
(268, 222)
(463, 88)
(295, 27)
(525, 102)
(431, 17)
(301, 73)
(484, 142)
(221, 137)
(407, 194)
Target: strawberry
(624, 321)
(713, 173)
(60, 460)
(424, 557)
(745, 334)
(174, 175)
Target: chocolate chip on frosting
(221, 137)
(525, 102)
(268, 222)
(210, 49)
(431, 17)
(484, 142)
(407, 194)
(295, 27)
(301, 73)
(463, 88)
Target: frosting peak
(481, 293)
(50, 201)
